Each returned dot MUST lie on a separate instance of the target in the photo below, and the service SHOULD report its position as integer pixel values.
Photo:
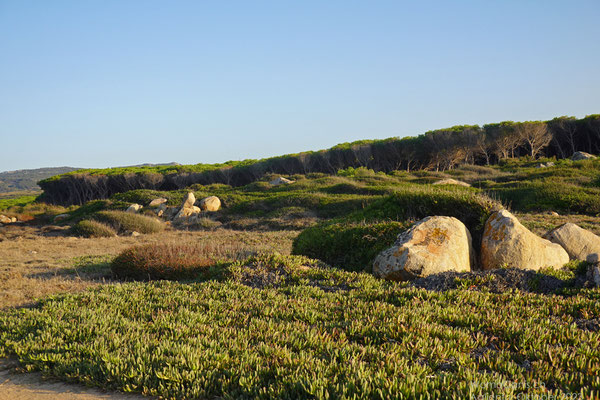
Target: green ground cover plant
(287, 327)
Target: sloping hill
(27, 179)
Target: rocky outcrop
(582, 155)
(451, 182)
(134, 208)
(211, 203)
(507, 243)
(280, 181)
(432, 245)
(578, 242)
(158, 202)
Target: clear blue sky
(118, 82)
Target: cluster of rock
(187, 213)
(440, 244)
(7, 220)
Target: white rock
(188, 201)
(211, 203)
(61, 217)
(4, 219)
(432, 245)
(507, 243)
(134, 208)
(157, 202)
(582, 155)
(281, 181)
(578, 242)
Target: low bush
(347, 245)
(174, 261)
(123, 221)
(92, 229)
(352, 242)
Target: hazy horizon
(114, 83)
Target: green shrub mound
(348, 245)
(352, 242)
(92, 229)
(123, 221)
(174, 261)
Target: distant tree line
(438, 150)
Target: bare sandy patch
(35, 265)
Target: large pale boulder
(188, 201)
(134, 208)
(507, 243)
(211, 203)
(158, 202)
(281, 181)
(432, 245)
(582, 155)
(4, 219)
(578, 242)
(451, 182)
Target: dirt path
(32, 386)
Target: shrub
(174, 261)
(124, 221)
(347, 245)
(92, 229)
(352, 242)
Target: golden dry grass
(34, 265)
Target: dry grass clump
(175, 261)
(93, 229)
(122, 221)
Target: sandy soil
(35, 262)
(32, 386)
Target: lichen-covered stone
(433, 245)
(507, 243)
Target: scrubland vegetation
(439, 150)
(273, 297)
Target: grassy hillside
(27, 179)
